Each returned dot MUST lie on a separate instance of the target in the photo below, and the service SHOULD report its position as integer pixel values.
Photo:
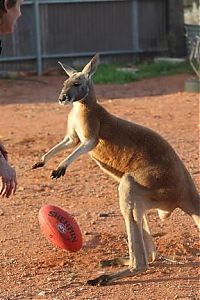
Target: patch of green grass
(111, 74)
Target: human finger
(3, 186)
(9, 189)
(6, 189)
(12, 188)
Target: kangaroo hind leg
(191, 206)
(132, 206)
(149, 246)
(148, 240)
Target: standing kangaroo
(149, 172)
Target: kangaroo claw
(39, 164)
(58, 173)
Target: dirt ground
(31, 121)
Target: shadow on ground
(47, 88)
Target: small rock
(87, 233)
(43, 293)
(104, 215)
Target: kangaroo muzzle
(64, 99)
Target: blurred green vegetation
(118, 73)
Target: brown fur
(149, 172)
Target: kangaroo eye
(76, 84)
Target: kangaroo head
(77, 85)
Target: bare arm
(8, 182)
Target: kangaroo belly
(113, 157)
(118, 160)
(147, 171)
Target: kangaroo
(149, 172)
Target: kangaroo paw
(119, 261)
(101, 280)
(58, 173)
(39, 164)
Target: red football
(60, 228)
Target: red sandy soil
(31, 122)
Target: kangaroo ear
(68, 70)
(91, 67)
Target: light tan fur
(149, 172)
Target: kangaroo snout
(63, 98)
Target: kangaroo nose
(62, 98)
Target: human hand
(8, 181)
